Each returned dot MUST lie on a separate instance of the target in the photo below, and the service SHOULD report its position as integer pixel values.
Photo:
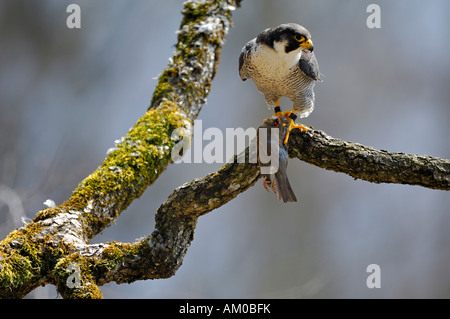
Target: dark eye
(299, 38)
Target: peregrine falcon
(281, 62)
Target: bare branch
(363, 162)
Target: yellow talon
(292, 125)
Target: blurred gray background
(67, 94)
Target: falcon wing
(308, 64)
(244, 53)
(241, 63)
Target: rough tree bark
(54, 248)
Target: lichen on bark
(39, 252)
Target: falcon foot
(290, 116)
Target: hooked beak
(307, 45)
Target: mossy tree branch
(42, 251)
(161, 254)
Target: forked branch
(54, 248)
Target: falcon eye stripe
(302, 38)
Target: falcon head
(288, 37)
